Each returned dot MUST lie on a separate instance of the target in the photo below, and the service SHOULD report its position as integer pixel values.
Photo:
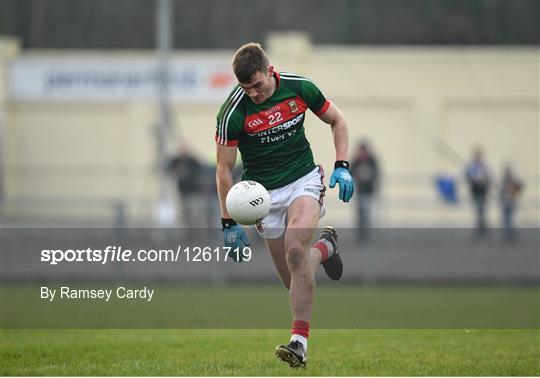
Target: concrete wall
(413, 104)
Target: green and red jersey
(270, 136)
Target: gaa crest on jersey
(293, 106)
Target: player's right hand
(235, 238)
(342, 177)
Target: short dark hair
(249, 59)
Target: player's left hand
(234, 238)
(343, 178)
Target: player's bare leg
(276, 247)
(302, 262)
(303, 216)
(323, 251)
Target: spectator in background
(365, 171)
(479, 180)
(210, 201)
(511, 187)
(188, 172)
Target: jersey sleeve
(229, 120)
(314, 98)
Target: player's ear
(271, 71)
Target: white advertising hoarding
(112, 78)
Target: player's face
(260, 87)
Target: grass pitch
(250, 352)
(360, 343)
(267, 307)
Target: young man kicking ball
(263, 117)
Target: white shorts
(273, 225)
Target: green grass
(356, 332)
(250, 352)
(336, 307)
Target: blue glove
(234, 237)
(342, 176)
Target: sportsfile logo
(256, 201)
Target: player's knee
(296, 255)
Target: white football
(247, 202)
